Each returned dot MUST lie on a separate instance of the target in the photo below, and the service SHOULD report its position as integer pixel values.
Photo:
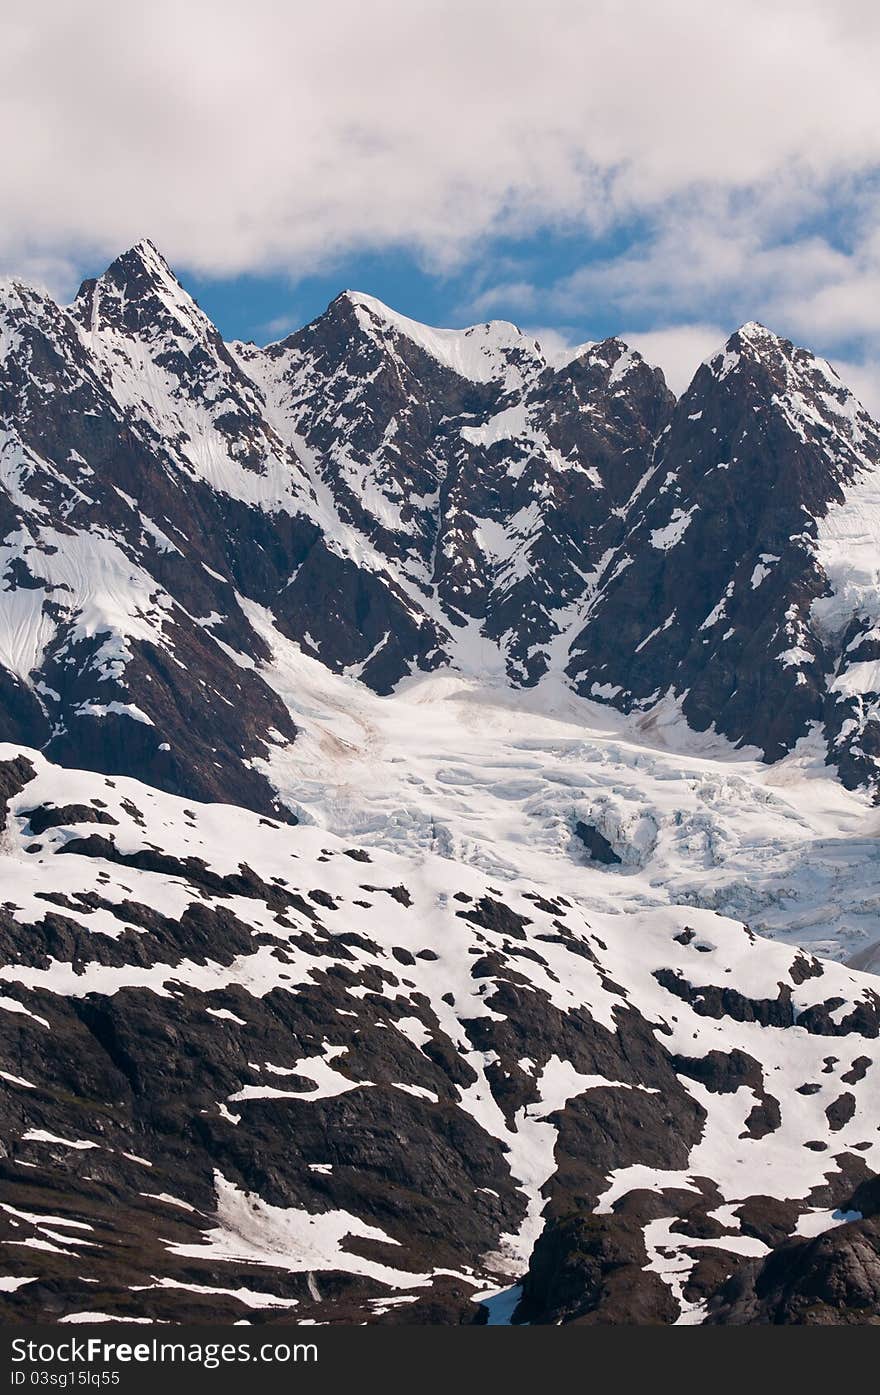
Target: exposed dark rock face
(14, 775)
(124, 672)
(48, 816)
(712, 596)
(831, 1281)
(591, 1270)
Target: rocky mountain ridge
(400, 499)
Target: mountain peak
(751, 343)
(18, 298)
(381, 311)
(793, 368)
(139, 293)
(481, 353)
(147, 253)
(753, 332)
(140, 267)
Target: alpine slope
(439, 784)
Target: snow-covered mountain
(259, 1072)
(401, 499)
(439, 779)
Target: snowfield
(499, 778)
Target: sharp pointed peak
(786, 374)
(756, 339)
(137, 291)
(142, 258)
(750, 342)
(146, 247)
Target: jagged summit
(722, 587)
(139, 294)
(754, 342)
(141, 265)
(754, 332)
(143, 257)
(400, 498)
(480, 352)
(802, 387)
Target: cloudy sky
(663, 171)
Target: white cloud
(515, 296)
(863, 378)
(678, 350)
(279, 325)
(273, 135)
(553, 341)
(277, 136)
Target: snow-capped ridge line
(400, 497)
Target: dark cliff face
(110, 583)
(550, 494)
(712, 595)
(396, 499)
(485, 479)
(156, 477)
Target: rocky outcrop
(830, 1281)
(719, 594)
